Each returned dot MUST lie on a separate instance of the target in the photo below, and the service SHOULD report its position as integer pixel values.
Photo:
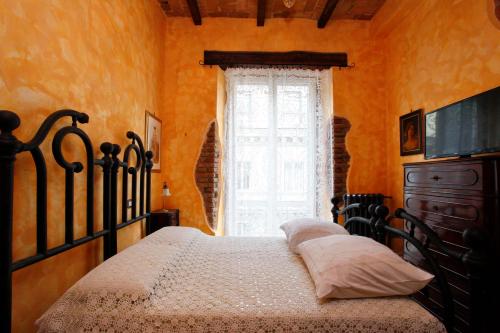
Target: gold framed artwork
(153, 139)
(410, 129)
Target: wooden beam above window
(327, 13)
(195, 11)
(226, 59)
(261, 12)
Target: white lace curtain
(277, 149)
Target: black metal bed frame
(110, 164)
(365, 199)
(476, 260)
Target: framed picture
(153, 139)
(410, 129)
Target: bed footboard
(476, 260)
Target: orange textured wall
(190, 95)
(95, 56)
(437, 52)
(115, 59)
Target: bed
(181, 280)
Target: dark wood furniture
(164, 218)
(451, 196)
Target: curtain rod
(322, 60)
(297, 66)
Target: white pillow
(301, 230)
(355, 267)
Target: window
(276, 150)
(243, 175)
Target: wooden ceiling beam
(327, 13)
(261, 12)
(226, 59)
(195, 11)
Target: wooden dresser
(451, 196)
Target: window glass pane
(274, 155)
(252, 103)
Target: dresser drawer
(457, 278)
(452, 265)
(450, 213)
(445, 176)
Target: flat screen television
(470, 126)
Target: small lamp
(165, 193)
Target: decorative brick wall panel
(207, 174)
(341, 157)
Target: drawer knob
(436, 178)
(435, 208)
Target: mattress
(181, 280)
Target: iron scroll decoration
(476, 260)
(110, 165)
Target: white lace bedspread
(180, 280)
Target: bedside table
(164, 218)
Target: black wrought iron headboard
(476, 259)
(110, 164)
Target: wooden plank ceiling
(320, 10)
